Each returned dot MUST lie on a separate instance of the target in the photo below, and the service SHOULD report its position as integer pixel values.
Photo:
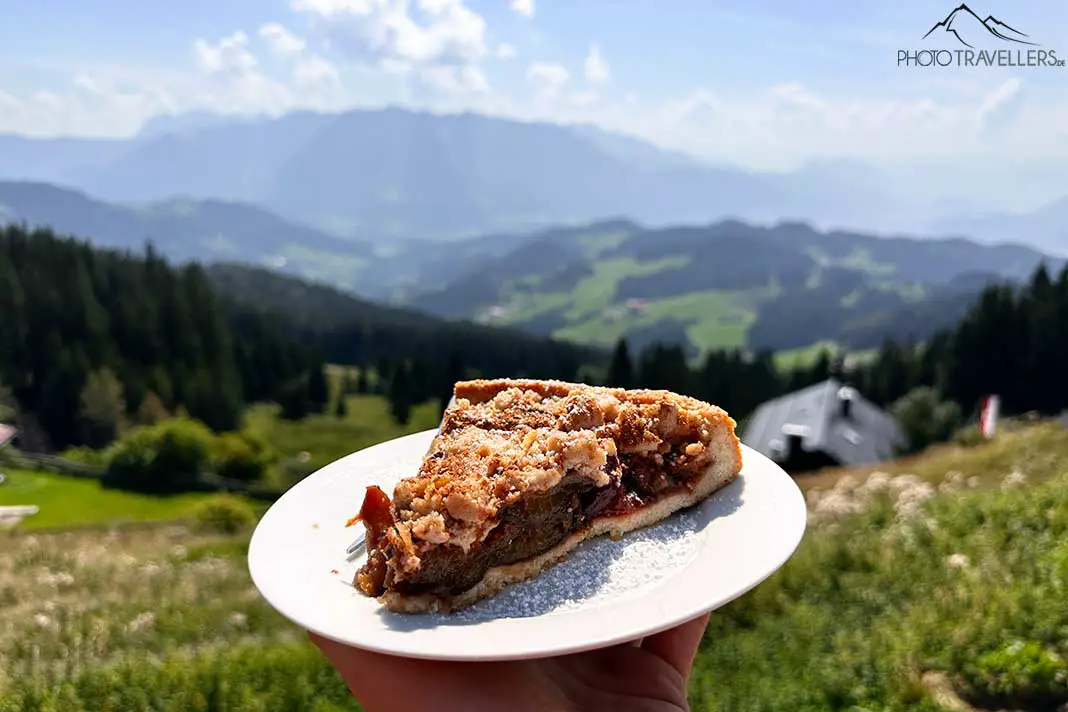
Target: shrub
(968, 436)
(241, 456)
(225, 514)
(86, 456)
(163, 457)
(1018, 674)
(925, 418)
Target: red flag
(988, 417)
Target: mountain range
(723, 284)
(388, 175)
(185, 229)
(571, 231)
(728, 284)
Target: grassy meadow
(327, 437)
(932, 583)
(74, 502)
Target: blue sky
(763, 83)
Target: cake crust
(523, 471)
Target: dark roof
(868, 434)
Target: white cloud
(523, 7)
(90, 107)
(434, 50)
(584, 98)
(596, 68)
(547, 79)
(282, 41)
(440, 32)
(997, 100)
(454, 80)
(315, 70)
(229, 53)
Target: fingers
(361, 670)
(678, 646)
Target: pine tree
(7, 404)
(103, 408)
(151, 410)
(621, 370)
(293, 399)
(399, 394)
(362, 384)
(453, 374)
(318, 389)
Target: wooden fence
(48, 463)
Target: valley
(564, 230)
(708, 286)
(728, 285)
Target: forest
(92, 336)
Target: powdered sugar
(599, 571)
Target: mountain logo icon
(964, 24)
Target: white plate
(606, 592)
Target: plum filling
(527, 528)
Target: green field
(713, 320)
(72, 501)
(592, 311)
(591, 295)
(326, 437)
(916, 588)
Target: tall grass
(903, 580)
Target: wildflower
(54, 579)
(877, 482)
(957, 561)
(953, 482)
(42, 620)
(238, 619)
(151, 568)
(1013, 478)
(141, 622)
(834, 505)
(846, 484)
(910, 498)
(904, 482)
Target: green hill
(185, 229)
(726, 285)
